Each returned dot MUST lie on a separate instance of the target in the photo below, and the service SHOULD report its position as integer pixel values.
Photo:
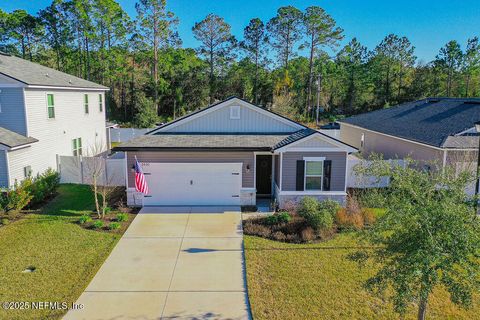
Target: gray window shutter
(300, 175)
(327, 173)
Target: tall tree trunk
(310, 74)
(422, 308)
(467, 85)
(255, 80)
(211, 75)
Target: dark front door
(264, 175)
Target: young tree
(449, 59)
(59, 33)
(321, 31)
(391, 58)
(285, 31)
(429, 236)
(25, 31)
(254, 43)
(353, 58)
(471, 62)
(156, 25)
(217, 43)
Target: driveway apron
(172, 263)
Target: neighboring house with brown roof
(233, 152)
(433, 129)
(45, 113)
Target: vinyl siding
(219, 121)
(3, 169)
(18, 160)
(12, 115)
(389, 147)
(55, 135)
(247, 158)
(289, 168)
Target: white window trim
(312, 159)
(100, 102)
(86, 105)
(46, 102)
(235, 112)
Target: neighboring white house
(45, 113)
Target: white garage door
(193, 183)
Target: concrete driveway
(179, 264)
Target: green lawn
(65, 255)
(317, 281)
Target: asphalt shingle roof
(428, 121)
(12, 139)
(35, 74)
(203, 141)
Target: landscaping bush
(113, 225)
(43, 186)
(349, 220)
(98, 224)
(85, 218)
(4, 221)
(252, 228)
(122, 217)
(369, 216)
(317, 215)
(15, 199)
(308, 234)
(279, 236)
(281, 217)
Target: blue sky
(429, 24)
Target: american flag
(140, 182)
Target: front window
(51, 106)
(313, 174)
(100, 102)
(85, 102)
(77, 146)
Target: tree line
(290, 63)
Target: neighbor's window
(77, 146)
(85, 102)
(100, 102)
(27, 171)
(313, 174)
(50, 106)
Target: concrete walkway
(178, 265)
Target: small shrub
(113, 225)
(369, 216)
(349, 220)
(279, 236)
(107, 210)
(85, 219)
(317, 215)
(308, 234)
(98, 224)
(4, 221)
(278, 218)
(283, 217)
(291, 207)
(43, 186)
(122, 217)
(255, 229)
(16, 198)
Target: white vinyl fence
(81, 170)
(360, 181)
(125, 134)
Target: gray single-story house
(232, 152)
(440, 130)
